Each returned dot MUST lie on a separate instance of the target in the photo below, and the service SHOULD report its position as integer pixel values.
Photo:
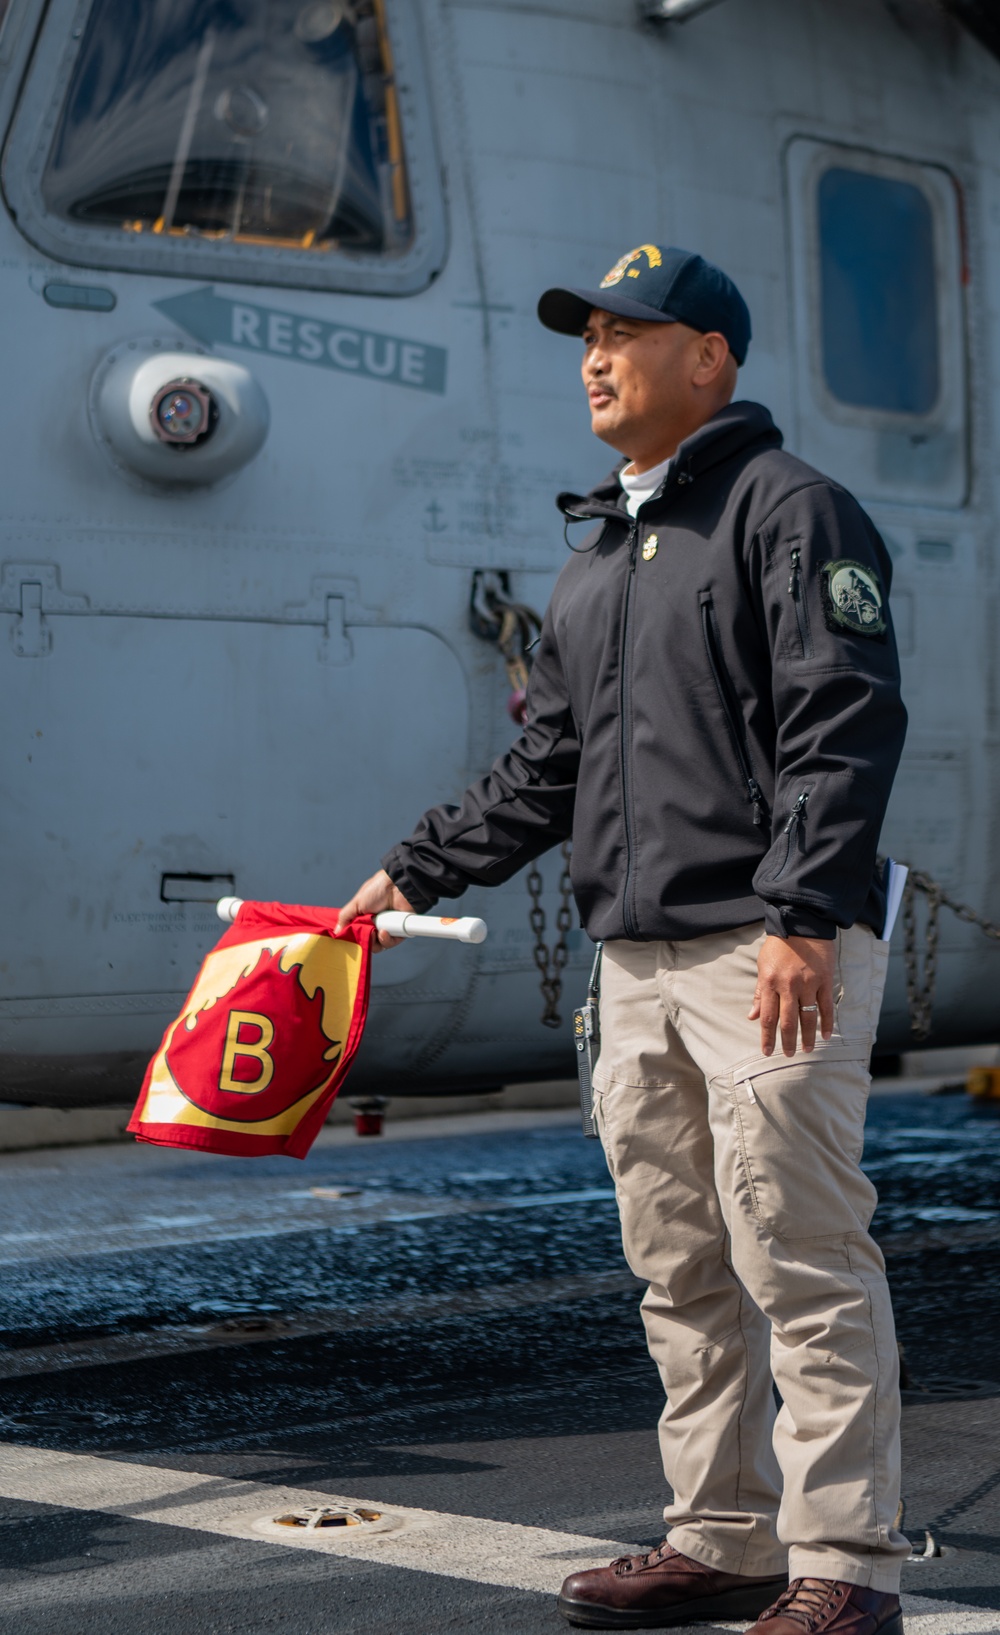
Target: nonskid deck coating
(456, 1336)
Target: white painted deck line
(471, 1548)
(463, 1547)
(924, 1616)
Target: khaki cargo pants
(744, 1206)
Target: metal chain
(514, 626)
(920, 989)
(552, 962)
(519, 628)
(516, 629)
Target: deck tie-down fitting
(328, 1516)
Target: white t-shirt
(641, 486)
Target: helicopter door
(208, 752)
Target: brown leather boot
(811, 1605)
(660, 1589)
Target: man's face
(644, 378)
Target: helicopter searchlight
(171, 417)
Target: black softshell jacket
(719, 743)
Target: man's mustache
(601, 384)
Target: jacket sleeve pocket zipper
(795, 591)
(791, 829)
(730, 707)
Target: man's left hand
(794, 987)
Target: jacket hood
(735, 428)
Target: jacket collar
(736, 428)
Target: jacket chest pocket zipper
(797, 594)
(730, 705)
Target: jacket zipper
(801, 610)
(625, 713)
(730, 707)
(798, 812)
(791, 830)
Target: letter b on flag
(257, 1048)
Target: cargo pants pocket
(799, 1129)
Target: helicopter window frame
(895, 455)
(110, 248)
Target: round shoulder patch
(852, 598)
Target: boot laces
(805, 1600)
(631, 1564)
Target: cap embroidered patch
(653, 256)
(852, 598)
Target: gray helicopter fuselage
(244, 662)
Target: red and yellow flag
(266, 1037)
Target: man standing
(714, 716)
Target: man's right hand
(371, 898)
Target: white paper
(895, 880)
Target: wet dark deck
(455, 1332)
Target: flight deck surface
(441, 1329)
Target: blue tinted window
(878, 297)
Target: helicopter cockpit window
(286, 142)
(878, 291)
(252, 121)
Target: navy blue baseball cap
(658, 285)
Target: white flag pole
(397, 924)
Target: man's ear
(713, 356)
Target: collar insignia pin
(649, 547)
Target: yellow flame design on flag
(321, 965)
